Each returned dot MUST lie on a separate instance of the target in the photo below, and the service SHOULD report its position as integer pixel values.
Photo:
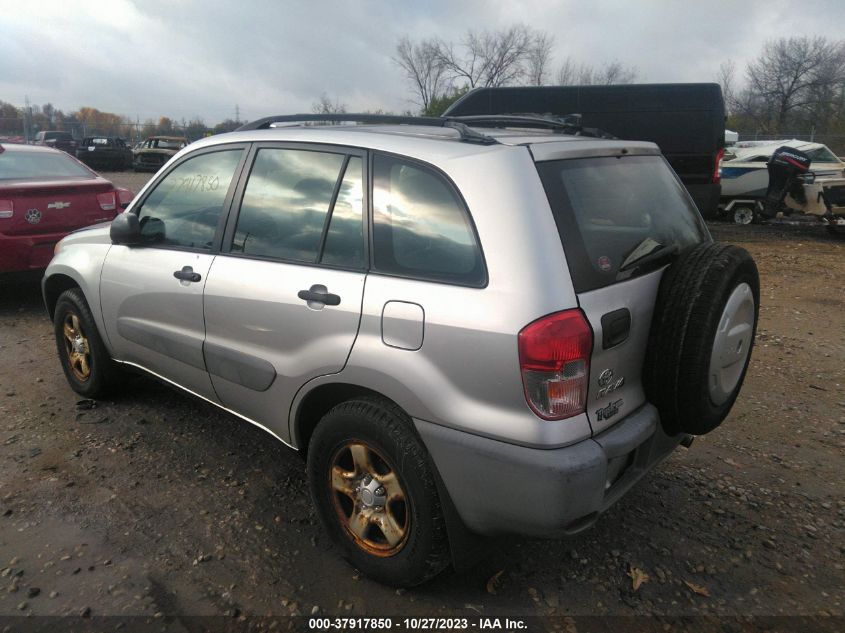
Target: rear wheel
(375, 492)
(701, 337)
(743, 215)
(85, 360)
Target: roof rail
(466, 134)
(567, 124)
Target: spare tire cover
(701, 336)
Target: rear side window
(420, 226)
(184, 208)
(614, 212)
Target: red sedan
(44, 195)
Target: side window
(420, 226)
(184, 208)
(345, 238)
(286, 204)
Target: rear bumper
(503, 488)
(20, 253)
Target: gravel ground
(156, 503)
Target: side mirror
(125, 229)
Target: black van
(687, 121)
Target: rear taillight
(554, 357)
(717, 170)
(124, 197)
(107, 201)
(7, 209)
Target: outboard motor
(787, 168)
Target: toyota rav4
(467, 326)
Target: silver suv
(467, 327)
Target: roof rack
(567, 124)
(467, 134)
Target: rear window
(38, 166)
(617, 216)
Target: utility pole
(27, 117)
(237, 113)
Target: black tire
(692, 298)
(103, 372)
(387, 430)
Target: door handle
(318, 294)
(187, 274)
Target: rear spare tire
(701, 336)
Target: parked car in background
(44, 195)
(463, 330)
(156, 151)
(57, 140)
(105, 152)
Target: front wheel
(375, 493)
(85, 360)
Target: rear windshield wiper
(658, 253)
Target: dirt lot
(154, 503)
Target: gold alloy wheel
(76, 346)
(367, 494)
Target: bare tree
(326, 106)
(538, 58)
(496, 58)
(573, 73)
(423, 64)
(725, 77)
(614, 73)
(793, 79)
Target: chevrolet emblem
(58, 205)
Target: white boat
(743, 170)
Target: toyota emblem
(33, 216)
(605, 377)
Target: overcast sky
(186, 58)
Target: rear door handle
(318, 294)
(187, 274)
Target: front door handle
(318, 294)
(187, 274)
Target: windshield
(618, 217)
(40, 166)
